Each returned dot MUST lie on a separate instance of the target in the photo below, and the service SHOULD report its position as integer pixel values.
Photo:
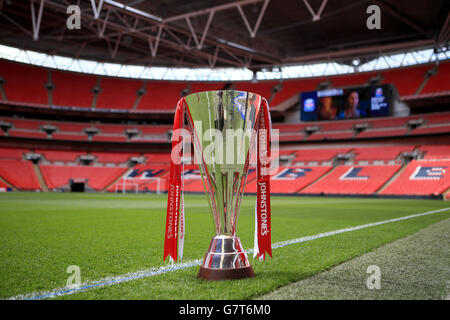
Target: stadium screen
(350, 103)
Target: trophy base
(225, 274)
(225, 260)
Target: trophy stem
(225, 260)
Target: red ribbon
(263, 214)
(174, 190)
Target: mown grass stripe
(174, 267)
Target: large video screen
(351, 103)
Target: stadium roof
(246, 34)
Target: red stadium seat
(318, 154)
(54, 155)
(12, 153)
(380, 152)
(440, 81)
(406, 85)
(421, 177)
(24, 83)
(430, 130)
(69, 137)
(98, 178)
(19, 173)
(436, 151)
(353, 180)
(291, 179)
(382, 133)
(113, 157)
(117, 93)
(161, 95)
(73, 89)
(27, 134)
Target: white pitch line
(178, 266)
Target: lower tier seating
(353, 180)
(436, 151)
(421, 177)
(19, 173)
(142, 178)
(291, 179)
(428, 176)
(97, 178)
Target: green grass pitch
(107, 235)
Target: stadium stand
(353, 180)
(161, 158)
(431, 129)
(440, 81)
(312, 169)
(72, 89)
(291, 179)
(142, 177)
(331, 135)
(311, 155)
(19, 173)
(117, 93)
(76, 90)
(113, 157)
(24, 83)
(27, 134)
(380, 152)
(55, 155)
(406, 85)
(12, 153)
(192, 179)
(97, 178)
(421, 177)
(69, 137)
(161, 95)
(436, 151)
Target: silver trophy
(222, 124)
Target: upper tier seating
(19, 173)
(73, 89)
(421, 177)
(406, 85)
(353, 180)
(440, 81)
(117, 93)
(24, 83)
(76, 90)
(161, 95)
